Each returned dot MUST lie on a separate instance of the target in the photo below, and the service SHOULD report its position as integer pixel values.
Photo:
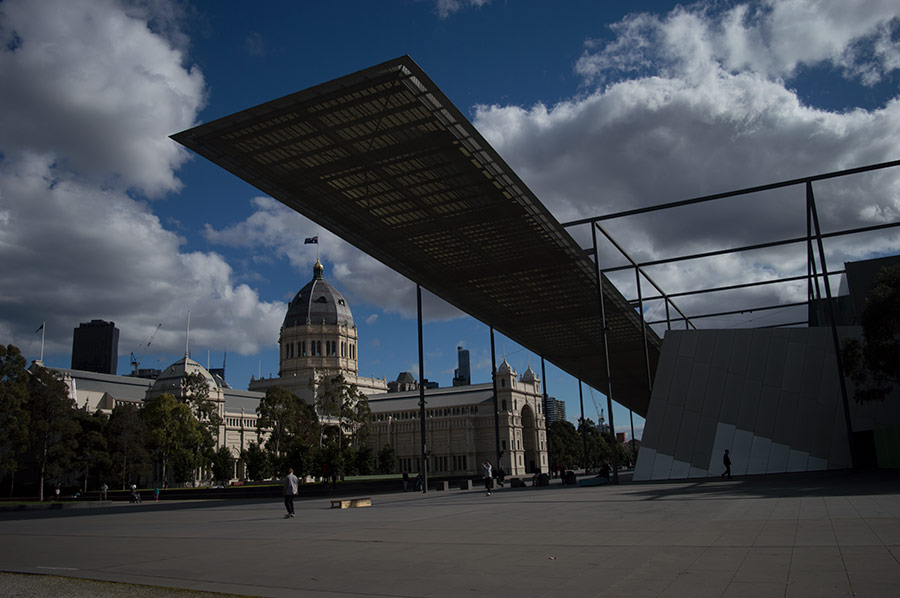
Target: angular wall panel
(770, 396)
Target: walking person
(726, 461)
(291, 488)
(488, 477)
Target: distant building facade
(94, 392)
(95, 347)
(556, 410)
(462, 376)
(319, 337)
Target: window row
(299, 349)
(402, 415)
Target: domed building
(318, 337)
(171, 380)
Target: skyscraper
(556, 410)
(462, 375)
(95, 347)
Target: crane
(136, 361)
(600, 419)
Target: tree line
(583, 447)
(47, 441)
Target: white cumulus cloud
(91, 91)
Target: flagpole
(43, 331)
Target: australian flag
(314, 240)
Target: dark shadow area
(844, 482)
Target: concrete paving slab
(834, 534)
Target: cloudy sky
(598, 110)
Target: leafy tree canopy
(874, 364)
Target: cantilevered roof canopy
(384, 160)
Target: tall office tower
(95, 347)
(462, 375)
(556, 410)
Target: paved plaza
(816, 535)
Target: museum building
(319, 338)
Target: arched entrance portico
(529, 440)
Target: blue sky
(598, 107)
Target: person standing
(726, 461)
(488, 477)
(291, 488)
(103, 489)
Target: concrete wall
(770, 396)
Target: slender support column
(631, 417)
(424, 469)
(811, 204)
(637, 279)
(612, 426)
(546, 419)
(499, 453)
(584, 458)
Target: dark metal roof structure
(384, 160)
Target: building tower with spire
(318, 337)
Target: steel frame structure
(815, 279)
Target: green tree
(297, 456)
(125, 437)
(597, 447)
(386, 459)
(92, 449)
(565, 444)
(223, 465)
(337, 397)
(196, 394)
(52, 426)
(874, 364)
(257, 461)
(195, 389)
(365, 461)
(13, 413)
(172, 433)
(287, 418)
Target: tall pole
(584, 459)
(546, 419)
(187, 335)
(637, 280)
(496, 403)
(811, 206)
(424, 468)
(605, 334)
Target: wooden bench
(351, 503)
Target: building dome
(318, 303)
(171, 379)
(530, 376)
(505, 369)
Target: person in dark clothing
(405, 481)
(726, 460)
